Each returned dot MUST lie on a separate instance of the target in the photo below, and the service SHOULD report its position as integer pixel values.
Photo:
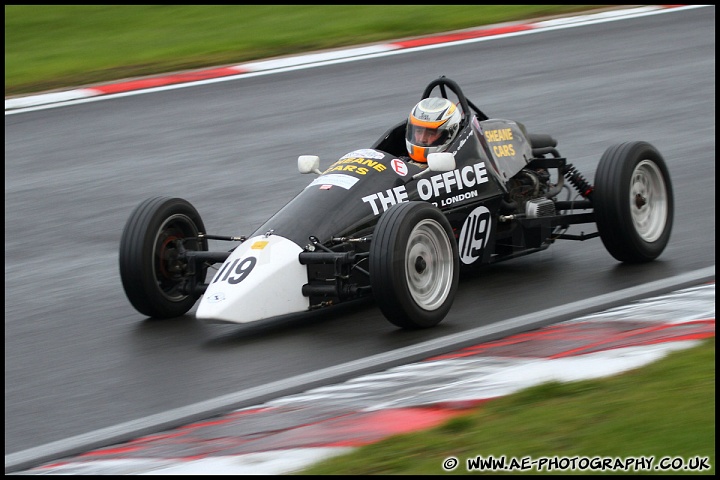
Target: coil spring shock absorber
(578, 181)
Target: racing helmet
(432, 125)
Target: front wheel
(414, 265)
(154, 272)
(633, 202)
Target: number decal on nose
(243, 269)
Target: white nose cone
(262, 278)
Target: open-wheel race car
(378, 223)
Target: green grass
(49, 47)
(664, 409)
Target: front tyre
(633, 202)
(153, 270)
(414, 265)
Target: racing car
(376, 224)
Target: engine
(528, 191)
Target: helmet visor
(426, 137)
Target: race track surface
(292, 432)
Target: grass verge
(54, 46)
(665, 409)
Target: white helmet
(432, 125)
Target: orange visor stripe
(425, 123)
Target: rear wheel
(153, 269)
(633, 202)
(414, 266)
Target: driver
(431, 127)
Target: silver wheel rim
(429, 265)
(648, 201)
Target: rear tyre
(152, 270)
(414, 265)
(633, 202)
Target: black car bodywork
(376, 223)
